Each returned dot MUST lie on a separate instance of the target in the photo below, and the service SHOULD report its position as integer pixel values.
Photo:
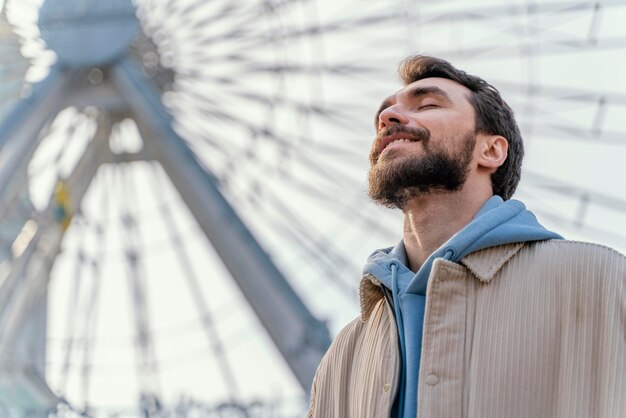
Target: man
(479, 311)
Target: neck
(431, 220)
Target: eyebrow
(415, 92)
(429, 91)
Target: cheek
(448, 124)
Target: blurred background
(183, 207)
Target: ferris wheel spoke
(336, 27)
(331, 115)
(266, 197)
(285, 223)
(147, 366)
(574, 46)
(206, 318)
(89, 334)
(351, 69)
(526, 9)
(569, 94)
(71, 318)
(189, 9)
(289, 226)
(572, 190)
(228, 9)
(322, 194)
(90, 312)
(324, 170)
(591, 134)
(592, 231)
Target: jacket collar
(484, 264)
(370, 292)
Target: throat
(427, 226)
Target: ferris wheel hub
(86, 33)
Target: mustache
(420, 134)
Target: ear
(492, 151)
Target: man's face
(425, 142)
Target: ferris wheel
(183, 181)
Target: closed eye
(428, 106)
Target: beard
(396, 178)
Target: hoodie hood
(498, 222)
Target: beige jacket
(517, 331)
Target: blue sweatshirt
(496, 223)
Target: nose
(392, 115)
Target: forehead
(456, 92)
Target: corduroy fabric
(359, 378)
(517, 331)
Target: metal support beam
(101, 95)
(20, 130)
(45, 243)
(23, 293)
(299, 336)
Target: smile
(393, 139)
(398, 140)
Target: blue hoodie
(496, 223)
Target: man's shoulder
(576, 256)
(553, 257)
(562, 247)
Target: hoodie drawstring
(398, 312)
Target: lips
(395, 137)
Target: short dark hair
(493, 115)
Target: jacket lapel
(485, 263)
